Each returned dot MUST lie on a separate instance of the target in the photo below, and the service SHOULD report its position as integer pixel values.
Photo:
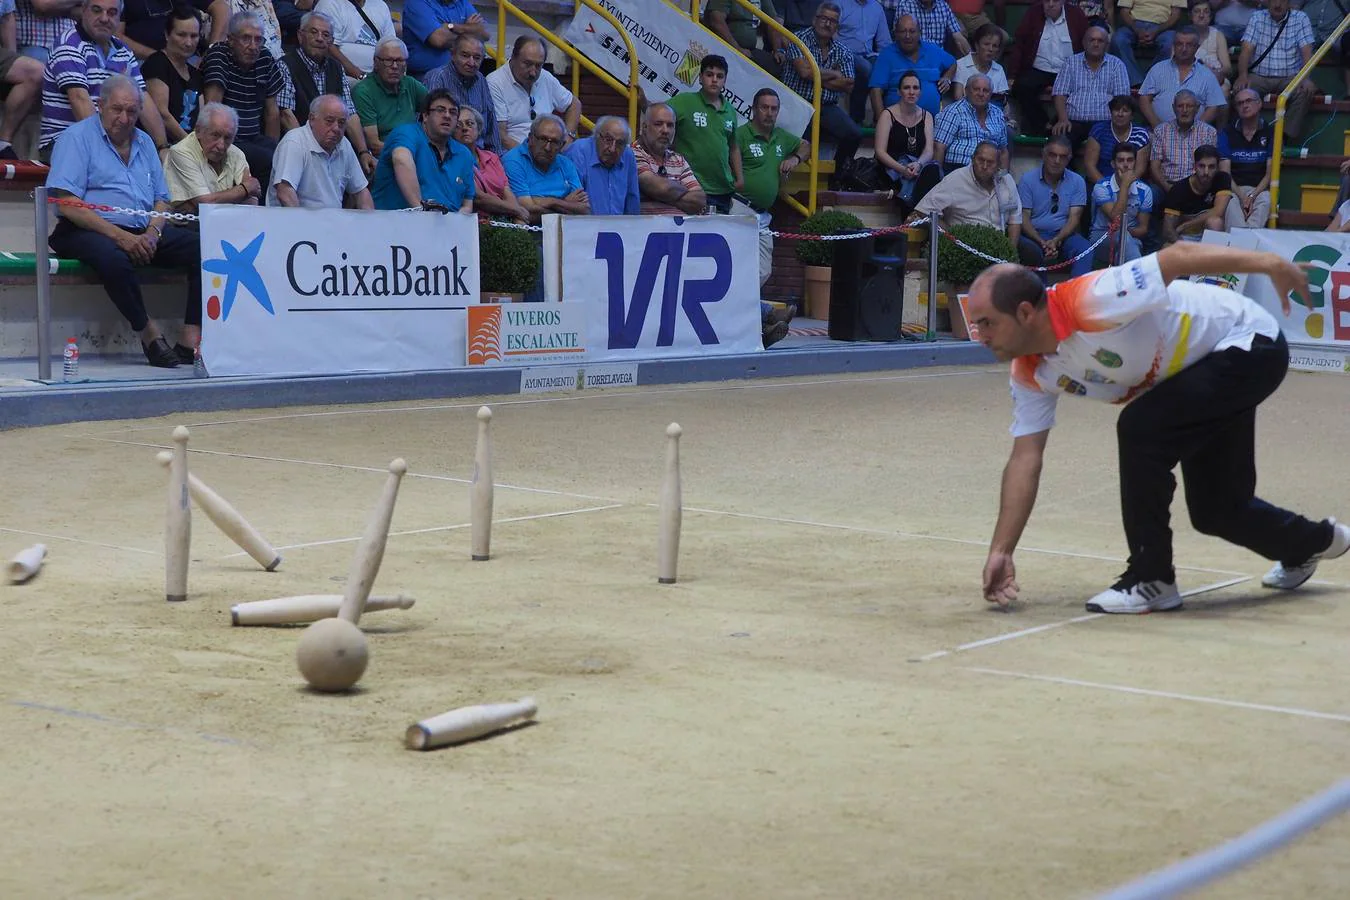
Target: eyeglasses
(396, 61)
(608, 141)
(549, 142)
(326, 35)
(829, 21)
(444, 110)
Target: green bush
(960, 267)
(825, 221)
(509, 259)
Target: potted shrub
(957, 268)
(509, 261)
(818, 256)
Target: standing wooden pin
(668, 545)
(228, 520)
(480, 512)
(178, 522)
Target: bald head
(328, 119)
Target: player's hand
(1288, 277)
(1000, 579)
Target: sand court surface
(823, 706)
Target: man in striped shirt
(240, 73)
(83, 59)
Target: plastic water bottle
(70, 366)
(198, 365)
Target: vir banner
(662, 286)
(311, 292)
(669, 46)
(1325, 326)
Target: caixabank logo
(240, 269)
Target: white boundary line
(859, 529)
(550, 515)
(1167, 695)
(73, 540)
(1000, 638)
(777, 383)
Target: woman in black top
(904, 145)
(173, 83)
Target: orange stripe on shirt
(1024, 370)
(1069, 303)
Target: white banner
(669, 46)
(590, 376)
(1327, 324)
(312, 292)
(663, 286)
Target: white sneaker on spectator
(1288, 577)
(1130, 596)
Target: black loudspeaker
(867, 290)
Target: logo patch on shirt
(1069, 386)
(1138, 273)
(1092, 376)
(1108, 359)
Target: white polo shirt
(1056, 45)
(1121, 331)
(320, 179)
(512, 102)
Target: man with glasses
(358, 28)
(1245, 148)
(666, 183)
(836, 79)
(308, 71)
(523, 90)
(1053, 200)
(542, 179)
(390, 98)
(315, 166)
(240, 73)
(423, 166)
(463, 78)
(608, 168)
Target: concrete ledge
(56, 404)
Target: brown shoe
(775, 333)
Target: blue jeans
(1123, 42)
(1074, 244)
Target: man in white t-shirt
(523, 90)
(354, 41)
(1193, 362)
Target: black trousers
(258, 150)
(179, 248)
(1205, 419)
(1027, 91)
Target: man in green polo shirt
(768, 154)
(389, 96)
(705, 127)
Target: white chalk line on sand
(436, 528)
(777, 384)
(1167, 695)
(1013, 635)
(75, 540)
(355, 468)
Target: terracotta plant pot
(817, 290)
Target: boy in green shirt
(705, 126)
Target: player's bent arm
(1211, 259)
(1021, 481)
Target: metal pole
(42, 262)
(933, 277)
(1124, 231)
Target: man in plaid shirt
(1280, 40)
(836, 77)
(936, 21)
(967, 123)
(1175, 142)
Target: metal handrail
(813, 166)
(630, 91)
(1277, 149)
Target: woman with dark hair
(1104, 136)
(904, 145)
(986, 46)
(172, 82)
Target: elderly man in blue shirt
(104, 160)
(1053, 199)
(542, 180)
(608, 168)
(422, 165)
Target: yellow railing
(1277, 151)
(813, 164)
(578, 59)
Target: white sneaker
(1286, 578)
(1129, 596)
